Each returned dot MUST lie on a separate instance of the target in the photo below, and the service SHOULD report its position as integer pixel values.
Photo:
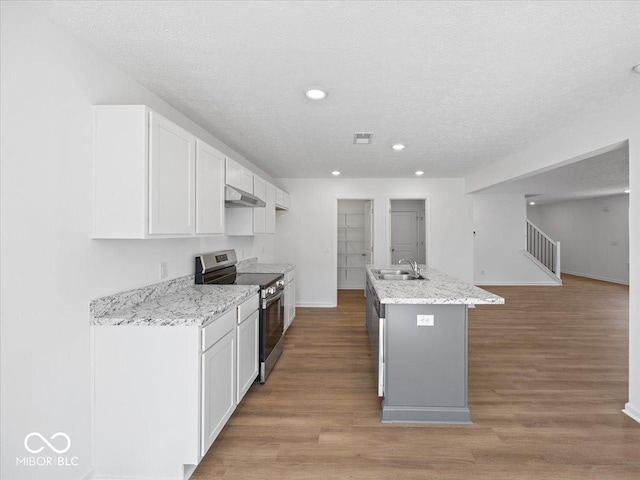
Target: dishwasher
(376, 328)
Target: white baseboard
(595, 277)
(632, 412)
(316, 305)
(517, 284)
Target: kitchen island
(418, 334)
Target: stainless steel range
(219, 268)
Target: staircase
(543, 250)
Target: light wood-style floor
(547, 382)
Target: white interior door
(368, 232)
(404, 235)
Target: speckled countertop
(252, 266)
(191, 305)
(438, 288)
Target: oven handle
(268, 301)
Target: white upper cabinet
(270, 209)
(171, 178)
(238, 176)
(151, 178)
(210, 174)
(282, 200)
(259, 213)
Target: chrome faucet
(413, 264)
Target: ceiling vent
(362, 137)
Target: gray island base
(418, 335)
(426, 367)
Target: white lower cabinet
(248, 355)
(164, 393)
(218, 387)
(289, 298)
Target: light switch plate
(426, 320)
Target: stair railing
(543, 248)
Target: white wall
(604, 130)
(499, 223)
(310, 225)
(51, 269)
(593, 235)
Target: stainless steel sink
(385, 271)
(388, 274)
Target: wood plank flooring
(547, 382)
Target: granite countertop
(192, 305)
(438, 288)
(252, 266)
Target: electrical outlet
(426, 320)
(326, 249)
(164, 270)
(481, 272)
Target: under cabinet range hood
(238, 198)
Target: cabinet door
(290, 301)
(292, 304)
(287, 303)
(246, 180)
(279, 198)
(287, 201)
(259, 213)
(270, 209)
(210, 174)
(233, 173)
(239, 177)
(248, 356)
(171, 178)
(218, 387)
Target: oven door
(273, 323)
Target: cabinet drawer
(246, 308)
(218, 329)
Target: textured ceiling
(601, 175)
(460, 83)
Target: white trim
(344, 196)
(317, 304)
(516, 284)
(595, 277)
(137, 478)
(632, 412)
(427, 223)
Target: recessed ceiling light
(627, 191)
(335, 173)
(397, 147)
(315, 94)
(636, 68)
(419, 172)
(532, 203)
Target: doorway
(408, 230)
(355, 242)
